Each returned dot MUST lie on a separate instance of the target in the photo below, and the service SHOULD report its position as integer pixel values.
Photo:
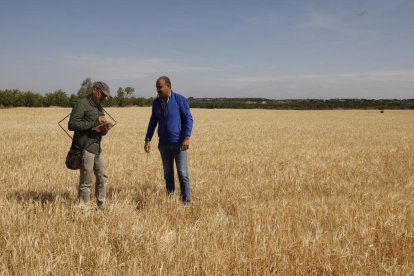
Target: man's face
(163, 89)
(98, 96)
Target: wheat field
(274, 192)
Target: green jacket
(82, 120)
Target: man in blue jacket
(171, 112)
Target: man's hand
(147, 146)
(100, 120)
(104, 129)
(102, 125)
(185, 145)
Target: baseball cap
(102, 86)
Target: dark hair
(166, 80)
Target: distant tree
(148, 102)
(73, 99)
(140, 101)
(129, 91)
(31, 99)
(57, 98)
(111, 102)
(120, 95)
(86, 88)
(10, 98)
(6, 98)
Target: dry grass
(274, 192)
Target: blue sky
(274, 49)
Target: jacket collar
(92, 102)
(169, 97)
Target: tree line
(17, 98)
(125, 97)
(301, 104)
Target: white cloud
(111, 68)
(399, 75)
(375, 84)
(378, 76)
(347, 23)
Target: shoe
(187, 203)
(103, 207)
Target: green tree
(10, 98)
(111, 102)
(31, 99)
(86, 88)
(57, 98)
(140, 101)
(120, 95)
(129, 91)
(73, 99)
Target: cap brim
(108, 96)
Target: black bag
(74, 159)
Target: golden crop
(274, 192)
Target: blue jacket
(174, 119)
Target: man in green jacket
(88, 122)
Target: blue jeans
(169, 153)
